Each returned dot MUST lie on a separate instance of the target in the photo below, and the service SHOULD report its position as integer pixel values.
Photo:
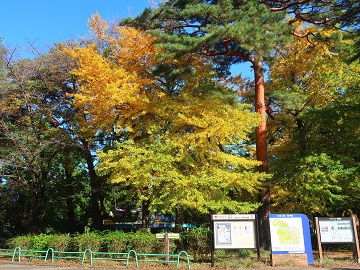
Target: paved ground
(19, 266)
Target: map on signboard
(336, 231)
(223, 233)
(287, 234)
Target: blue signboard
(290, 234)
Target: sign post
(166, 237)
(234, 232)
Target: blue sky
(45, 22)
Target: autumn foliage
(177, 132)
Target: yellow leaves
(113, 83)
(211, 118)
(133, 48)
(105, 90)
(310, 68)
(178, 156)
(99, 26)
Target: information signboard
(336, 230)
(290, 234)
(234, 231)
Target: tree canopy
(172, 142)
(146, 113)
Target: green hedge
(195, 242)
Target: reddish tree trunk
(262, 154)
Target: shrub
(159, 246)
(197, 243)
(41, 242)
(116, 242)
(142, 241)
(88, 240)
(23, 241)
(61, 242)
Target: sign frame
(228, 231)
(301, 247)
(325, 232)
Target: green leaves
(202, 27)
(314, 135)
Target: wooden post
(356, 240)
(318, 239)
(167, 246)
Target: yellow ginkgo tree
(180, 134)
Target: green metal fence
(162, 258)
(92, 256)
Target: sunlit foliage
(314, 133)
(174, 129)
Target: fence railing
(51, 254)
(162, 258)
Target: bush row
(196, 242)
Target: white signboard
(234, 234)
(234, 231)
(170, 235)
(287, 234)
(336, 230)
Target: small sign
(169, 235)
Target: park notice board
(337, 230)
(234, 231)
(290, 238)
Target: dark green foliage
(197, 243)
(116, 241)
(88, 240)
(223, 28)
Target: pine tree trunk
(262, 155)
